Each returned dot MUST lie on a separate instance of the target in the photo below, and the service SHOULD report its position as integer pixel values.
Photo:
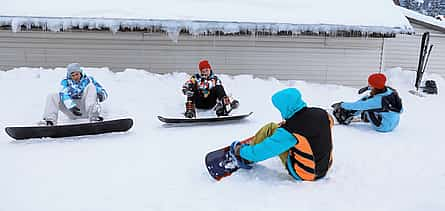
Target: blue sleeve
(280, 141)
(362, 105)
(99, 88)
(65, 96)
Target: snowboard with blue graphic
(219, 163)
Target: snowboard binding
(223, 168)
(342, 115)
(225, 106)
(96, 119)
(45, 122)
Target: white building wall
(338, 60)
(404, 52)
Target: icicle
(16, 24)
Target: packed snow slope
(158, 167)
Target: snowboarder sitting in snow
(382, 107)
(78, 98)
(204, 90)
(303, 141)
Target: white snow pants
(88, 105)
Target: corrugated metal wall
(337, 60)
(405, 49)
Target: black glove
(188, 89)
(100, 97)
(75, 111)
(336, 106)
(363, 89)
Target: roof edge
(175, 27)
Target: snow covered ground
(154, 167)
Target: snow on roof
(203, 16)
(423, 18)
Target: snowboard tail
(58, 131)
(219, 164)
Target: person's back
(311, 156)
(387, 117)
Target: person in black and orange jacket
(303, 141)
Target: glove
(187, 89)
(363, 89)
(101, 96)
(75, 111)
(188, 93)
(336, 106)
(236, 158)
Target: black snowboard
(118, 125)
(203, 119)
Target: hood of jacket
(73, 67)
(288, 102)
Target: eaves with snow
(198, 17)
(425, 20)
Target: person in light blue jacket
(382, 107)
(79, 97)
(303, 141)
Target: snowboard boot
(430, 87)
(190, 111)
(342, 115)
(224, 107)
(234, 104)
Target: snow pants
(266, 131)
(208, 102)
(88, 105)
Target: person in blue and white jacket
(303, 141)
(79, 97)
(382, 107)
